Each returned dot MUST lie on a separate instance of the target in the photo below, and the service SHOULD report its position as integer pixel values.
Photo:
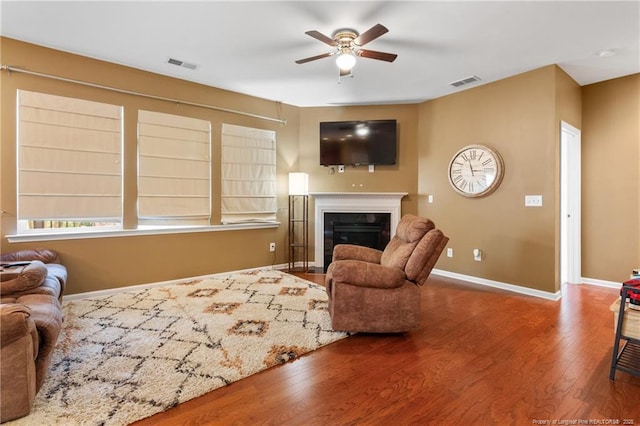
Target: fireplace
(358, 216)
(363, 229)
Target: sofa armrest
(24, 279)
(41, 254)
(56, 279)
(366, 274)
(15, 322)
(47, 317)
(18, 349)
(355, 252)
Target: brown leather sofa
(31, 288)
(378, 291)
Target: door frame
(570, 200)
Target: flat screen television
(358, 142)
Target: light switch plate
(533, 200)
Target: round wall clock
(476, 171)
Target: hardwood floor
(481, 357)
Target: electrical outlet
(449, 252)
(477, 255)
(272, 246)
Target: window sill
(24, 238)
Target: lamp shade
(298, 183)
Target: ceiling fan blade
(371, 34)
(313, 58)
(372, 54)
(323, 38)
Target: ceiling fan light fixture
(347, 44)
(346, 61)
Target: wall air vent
(465, 81)
(182, 64)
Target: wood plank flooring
(481, 357)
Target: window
(248, 174)
(174, 170)
(69, 163)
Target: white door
(570, 174)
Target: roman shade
(69, 158)
(248, 174)
(174, 169)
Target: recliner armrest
(15, 322)
(365, 274)
(355, 252)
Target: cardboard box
(631, 324)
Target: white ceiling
(250, 46)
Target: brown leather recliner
(378, 291)
(30, 322)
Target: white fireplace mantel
(352, 202)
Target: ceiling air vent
(182, 64)
(465, 81)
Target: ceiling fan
(348, 44)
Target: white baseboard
(601, 283)
(110, 291)
(497, 284)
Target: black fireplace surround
(364, 229)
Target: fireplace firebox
(364, 229)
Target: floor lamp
(298, 220)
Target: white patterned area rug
(127, 356)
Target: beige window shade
(174, 169)
(248, 174)
(69, 158)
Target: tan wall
(401, 177)
(115, 262)
(519, 116)
(516, 116)
(611, 179)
